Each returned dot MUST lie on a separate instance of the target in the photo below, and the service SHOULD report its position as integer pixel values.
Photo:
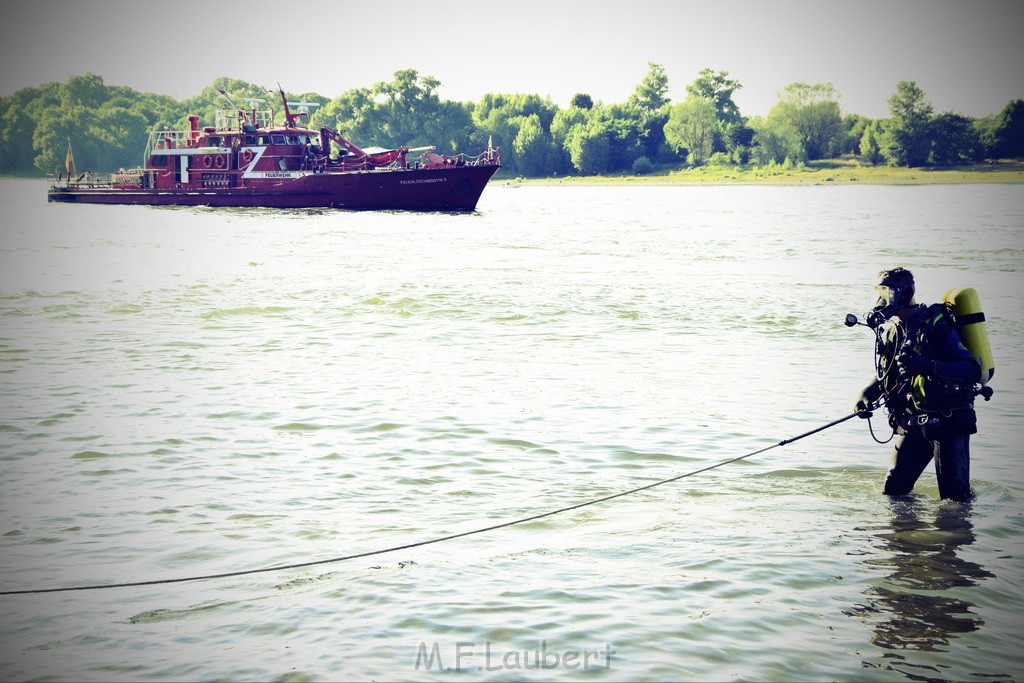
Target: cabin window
(277, 139)
(293, 139)
(214, 141)
(159, 161)
(264, 139)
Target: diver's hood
(891, 298)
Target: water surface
(195, 391)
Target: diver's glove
(914, 363)
(863, 405)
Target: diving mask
(890, 300)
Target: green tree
(1008, 135)
(564, 121)
(986, 127)
(650, 93)
(775, 140)
(532, 147)
(83, 91)
(589, 147)
(692, 126)
(738, 138)
(646, 112)
(871, 142)
(719, 88)
(347, 114)
(55, 130)
(408, 111)
(581, 101)
(654, 144)
(498, 117)
(854, 126)
(496, 107)
(909, 142)
(157, 110)
(813, 112)
(119, 136)
(19, 113)
(627, 132)
(642, 166)
(404, 111)
(102, 140)
(955, 140)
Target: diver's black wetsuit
(931, 405)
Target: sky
(967, 56)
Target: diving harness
(903, 394)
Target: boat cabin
(241, 146)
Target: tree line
(108, 125)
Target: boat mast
(289, 117)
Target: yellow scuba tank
(970, 324)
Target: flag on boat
(69, 160)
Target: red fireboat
(246, 160)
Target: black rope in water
(407, 546)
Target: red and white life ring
(246, 155)
(207, 161)
(218, 161)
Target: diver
(926, 377)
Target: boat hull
(444, 189)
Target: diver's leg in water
(910, 456)
(953, 466)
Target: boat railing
(362, 163)
(132, 177)
(168, 139)
(235, 119)
(428, 160)
(137, 178)
(488, 157)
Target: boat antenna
(224, 92)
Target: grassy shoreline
(835, 172)
(815, 173)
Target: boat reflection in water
(911, 609)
